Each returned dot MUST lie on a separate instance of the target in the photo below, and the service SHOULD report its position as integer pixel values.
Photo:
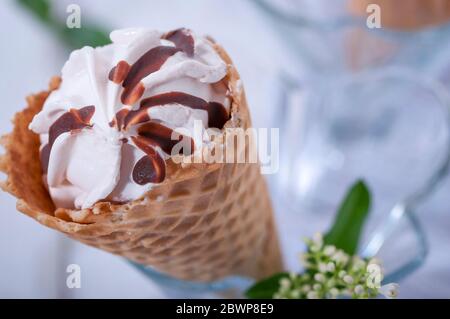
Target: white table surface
(33, 258)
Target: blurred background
(350, 101)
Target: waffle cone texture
(203, 223)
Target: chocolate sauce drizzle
(182, 39)
(151, 134)
(71, 121)
(148, 63)
(217, 114)
(158, 135)
(150, 168)
(119, 72)
(119, 119)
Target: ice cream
(204, 221)
(107, 131)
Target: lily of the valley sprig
(332, 273)
(331, 268)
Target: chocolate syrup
(119, 72)
(150, 168)
(151, 134)
(159, 135)
(119, 119)
(217, 114)
(182, 39)
(45, 157)
(73, 120)
(148, 63)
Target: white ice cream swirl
(104, 131)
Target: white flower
(312, 295)
(317, 240)
(348, 279)
(340, 257)
(319, 277)
(331, 272)
(331, 267)
(358, 264)
(390, 291)
(306, 288)
(304, 260)
(314, 248)
(374, 276)
(285, 283)
(323, 267)
(334, 292)
(329, 250)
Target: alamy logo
(74, 278)
(232, 145)
(375, 276)
(374, 19)
(73, 20)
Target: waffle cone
(203, 223)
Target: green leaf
(40, 8)
(346, 230)
(266, 288)
(88, 34)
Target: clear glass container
(359, 103)
(354, 103)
